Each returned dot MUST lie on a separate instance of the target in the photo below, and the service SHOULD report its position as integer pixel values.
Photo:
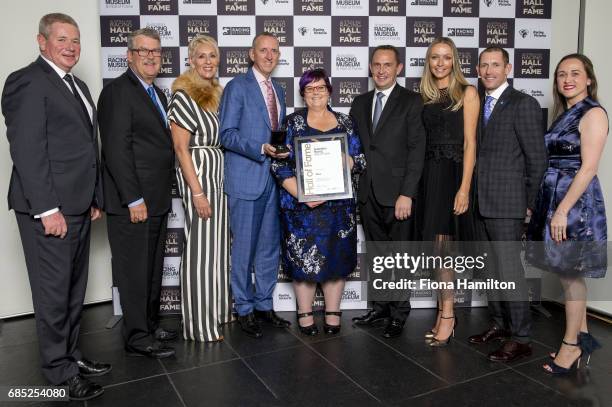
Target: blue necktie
(151, 92)
(377, 109)
(488, 108)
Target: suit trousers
(57, 270)
(255, 228)
(137, 251)
(380, 225)
(508, 309)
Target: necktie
(488, 108)
(75, 93)
(377, 109)
(151, 92)
(271, 102)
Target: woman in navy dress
(319, 238)
(569, 216)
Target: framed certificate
(322, 167)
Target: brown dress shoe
(490, 335)
(509, 351)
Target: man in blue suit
(253, 105)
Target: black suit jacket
(52, 143)
(137, 154)
(511, 157)
(395, 152)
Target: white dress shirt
(496, 94)
(386, 94)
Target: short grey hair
(45, 23)
(262, 34)
(147, 32)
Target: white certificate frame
(345, 192)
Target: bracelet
(200, 194)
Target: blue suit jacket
(245, 126)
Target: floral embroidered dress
(584, 253)
(318, 244)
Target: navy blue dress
(318, 244)
(584, 253)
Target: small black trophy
(278, 139)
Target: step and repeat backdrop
(338, 35)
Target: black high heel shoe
(438, 343)
(588, 345)
(430, 334)
(310, 330)
(555, 369)
(332, 329)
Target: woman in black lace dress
(450, 116)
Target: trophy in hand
(278, 139)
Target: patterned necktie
(151, 92)
(271, 103)
(75, 93)
(377, 109)
(488, 108)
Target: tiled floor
(356, 368)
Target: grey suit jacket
(511, 157)
(52, 143)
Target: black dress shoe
(162, 334)
(492, 334)
(81, 389)
(394, 328)
(249, 325)
(332, 329)
(372, 317)
(91, 368)
(509, 351)
(156, 351)
(271, 318)
(310, 330)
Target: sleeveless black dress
(442, 174)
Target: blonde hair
(457, 82)
(206, 93)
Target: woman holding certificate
(319, 237)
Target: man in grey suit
(511, 161)
(55, 193)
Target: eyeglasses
(312, 89)
(143, 52)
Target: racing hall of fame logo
(116, 29)
(347, 89)
(311, 58)
(468, 59)
(280, 26)
(174, 243)
(496, 32)
(148, 7)
(461, 8)
(533, 8)
(287, 85)
(350, 31)
(192, 26)
(170, 63)
(234, 61)
(531, 63)
(236, 7)
(388, 7)
(421, 31)
(311, 7)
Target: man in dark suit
(138, 163)
(55, 193)
(393, 138)
(511, 160)
(252, 105)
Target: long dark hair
(560, 103)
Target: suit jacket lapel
(499, 105)
(368, 113)
(255, 91)
(58, 82)
(142, 93)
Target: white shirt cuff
(136, 202)
(47, 213)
